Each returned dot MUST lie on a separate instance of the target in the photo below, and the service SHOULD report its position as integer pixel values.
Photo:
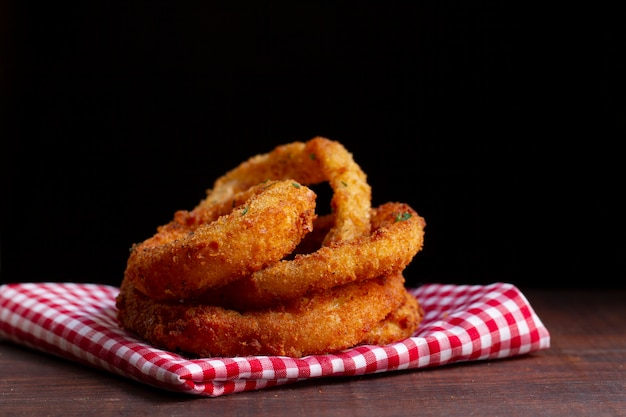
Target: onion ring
(324, 322)
(210, 248)
(397, 235)
(313, 162)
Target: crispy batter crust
(324, 322)
(398, 325)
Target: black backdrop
(501, 126)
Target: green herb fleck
(313, 156)
(403, 216)
(268, 183)
(245, 210)
(345, 184)
(295, 184)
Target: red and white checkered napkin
(78, 322)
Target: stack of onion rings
(253, 269)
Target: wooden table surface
(583, 373)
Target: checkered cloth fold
(77, 321)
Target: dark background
(501, 126)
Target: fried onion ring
(324, 322)
(313, 162)
(397, 235)
(214, 246)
